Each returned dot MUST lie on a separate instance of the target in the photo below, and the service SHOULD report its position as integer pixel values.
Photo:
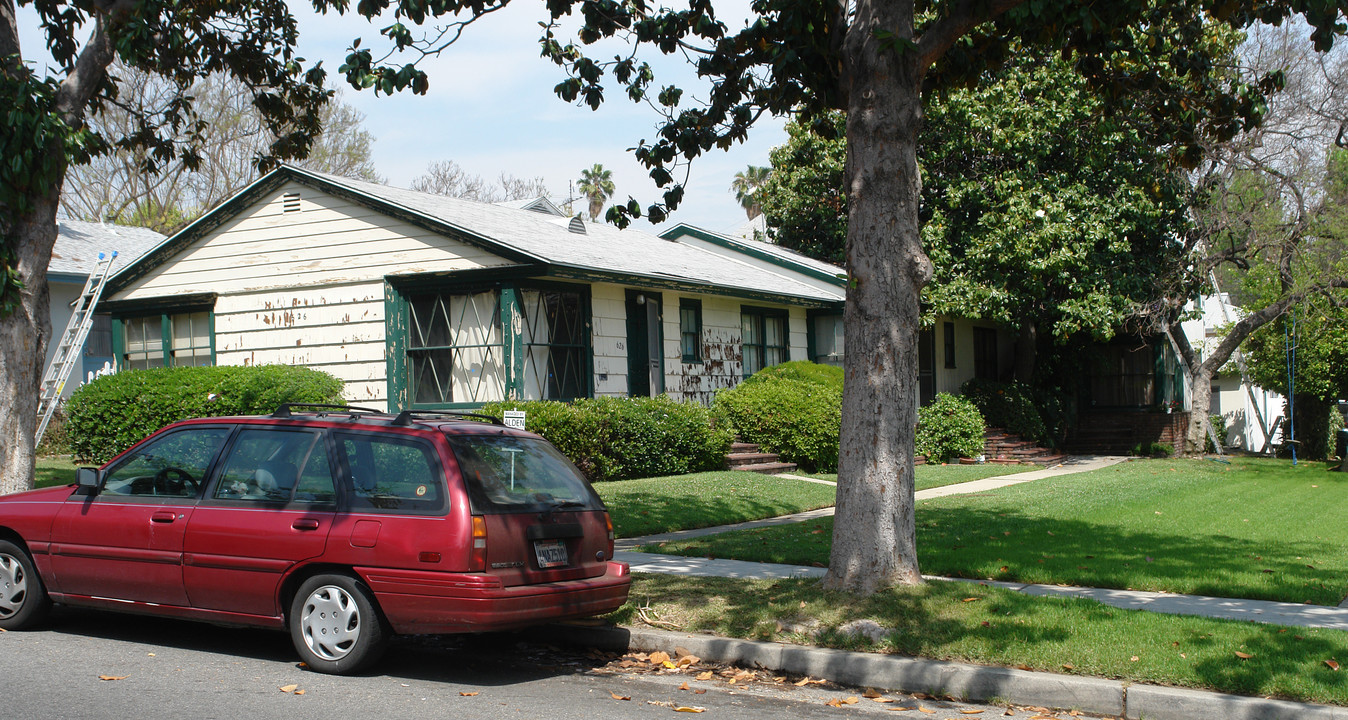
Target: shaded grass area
(974, 623)
(926, 477)
(680, 502)
(54, 470)
(1254, 528)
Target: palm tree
(597, 185)
(746, 186)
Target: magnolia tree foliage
(1040, 210)
(871, 58)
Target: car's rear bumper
(418, 602)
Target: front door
(126, 542)
(645, 344)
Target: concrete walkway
(1264, 611)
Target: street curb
(973, 683)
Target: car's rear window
(391, 474)
(517, 474)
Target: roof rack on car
(405, 417)
(283, 410)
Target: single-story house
(73, 258)
(424, 301)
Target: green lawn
(679, 502)
(54, 470)
(1253, 528)
(932, 476)
(940, 620)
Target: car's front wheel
(335, 625)
(23, 598)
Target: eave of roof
(838, 278)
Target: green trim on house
(839, 278)
(395, 346)
(512, 340)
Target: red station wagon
(344, 526)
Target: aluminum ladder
(69, 348)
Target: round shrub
(795, 418)
(1009, 406)
(618, 438)
(950, 427)
(114, 412)
(802, 370)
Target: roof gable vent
(290, 202)
(576, 225)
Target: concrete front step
(743, 447)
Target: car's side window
(173, 465)
(316, 479)
(391, 473)
(264, 464)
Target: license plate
(550, 553)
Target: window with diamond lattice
(555, 345)
(455, 352)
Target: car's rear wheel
(335, 625)
(23, 597)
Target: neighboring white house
(1240, 405)
(73, 257)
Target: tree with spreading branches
(872, 58)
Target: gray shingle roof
(78, 244)
(602, 246)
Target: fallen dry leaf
(704, 675)
(971, 712)
(699, 692)
(850, 700)
(684, 686)
(289, 688)
(871, 693)
(685, 708)
(669, 665)
(833, 702)
(970, 599)
(467, 694)
(1332, 665)
(113, 677)
(1133, 658)
(884, 700)
(658, 658)
(687, 660)
(925, 710)
(299, 692)
(1068, 666)
(616, 696)
(1243, 656)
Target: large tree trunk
(874, 528)
(1200, 407)
(23, 346)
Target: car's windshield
(512, 473)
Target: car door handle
(305, 524)
(163, 516)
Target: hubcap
(330, 622)
(13, 585)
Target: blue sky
(491, 109)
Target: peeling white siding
(608, 311)
(336, 329)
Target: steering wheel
(166, 480)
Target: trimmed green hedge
(793, 409)
(950, 427)
(620, 438)
(117, 411)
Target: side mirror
(87, 480)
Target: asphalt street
(88, 664)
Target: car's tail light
(477, 556)
(608, 523)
